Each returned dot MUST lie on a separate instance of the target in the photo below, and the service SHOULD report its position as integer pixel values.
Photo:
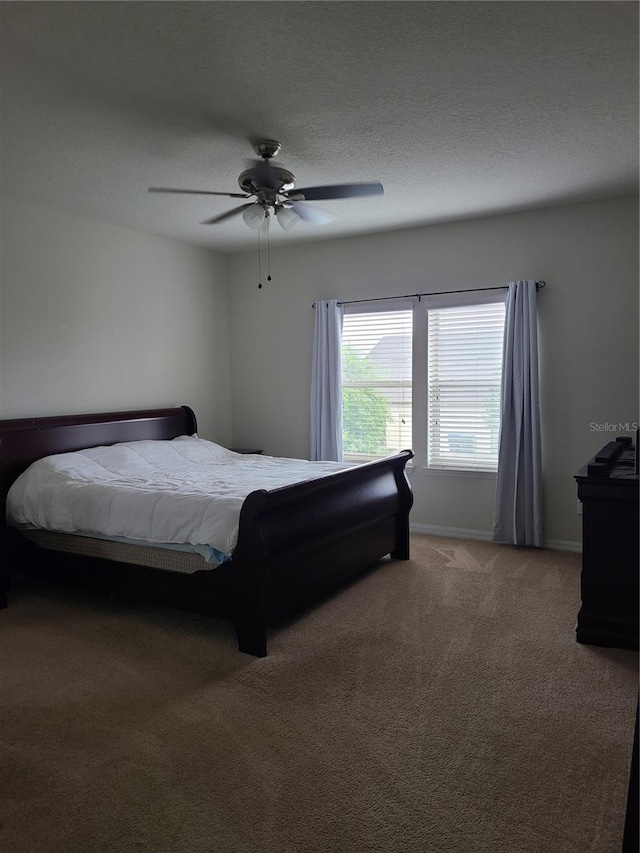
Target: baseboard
(487, 536)
(563, 545)
(453, 532)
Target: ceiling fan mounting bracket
(266, 148)
(250, 183)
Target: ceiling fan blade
(227, 215)
(195, 192)
(336, 191)
(310, 214)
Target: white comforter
(187, 491)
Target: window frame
(450, 300)
(420, 306)
(385, 307)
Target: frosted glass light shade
(254, 216)
(287, 218)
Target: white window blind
(376, 382)
(464, 373)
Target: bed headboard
(24, 440)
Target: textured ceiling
(458, 108)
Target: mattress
(185, 492)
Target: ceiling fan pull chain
(259, 264)
(268, 252)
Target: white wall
(588, 327)
(96, 318)
(99, 318)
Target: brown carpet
(439, 706)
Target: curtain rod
(539, 285)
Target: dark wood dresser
(608, 490)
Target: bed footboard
(297, 543)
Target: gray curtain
(326, 383)
(518, 502)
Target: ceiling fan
(274, 188)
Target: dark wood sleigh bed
(295, 544)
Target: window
(424, 374)
(464, 371)
(376, 382)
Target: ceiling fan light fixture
(254, 216)
(286, 217)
